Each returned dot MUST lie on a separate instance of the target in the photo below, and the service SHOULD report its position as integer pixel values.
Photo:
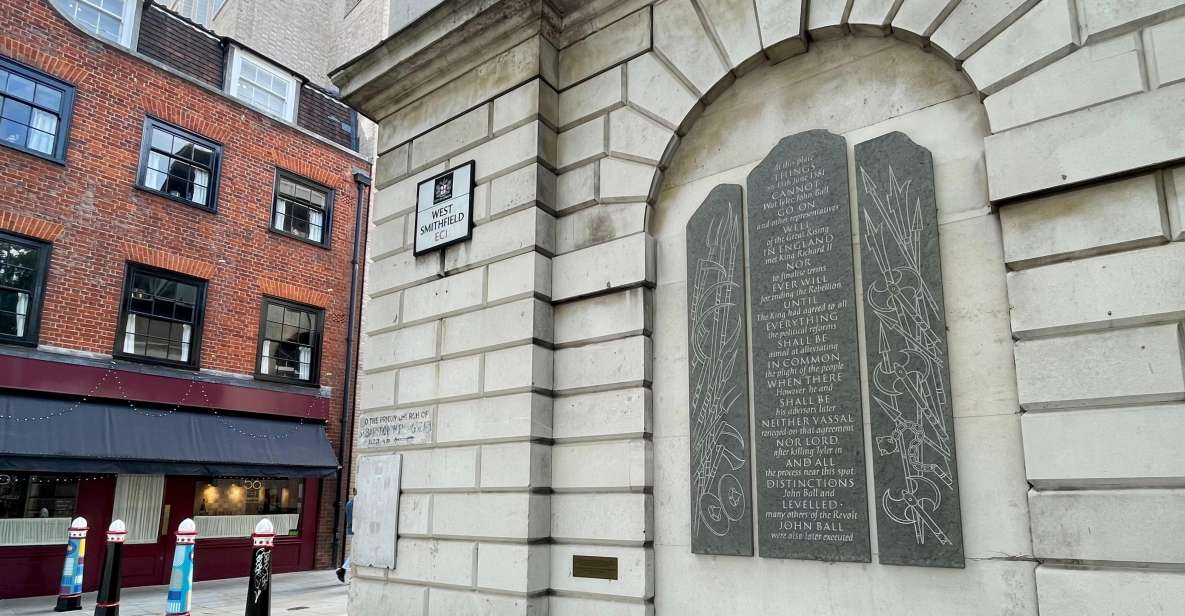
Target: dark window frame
(199, 314)
(326, 225)
(33, 320)
(151, 123)
(315, 360)
(64, 118)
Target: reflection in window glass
(247, 496)
(179, 164)
(161, 316)
(22, 264)
(31, 111)
(200, 11)
(175, 169)
(26, 495)
(103, 17)
(291, 342)
(300, 209)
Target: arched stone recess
(543, 347)
(860, 88)
(630, 137)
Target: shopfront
(36, 509)
(152, 466)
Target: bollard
(108, 602)
(259, 584)
(181, 581)
(70, 593)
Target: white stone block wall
(1061, 199)
(1096, 311)
(1094, 291)
(467, 333)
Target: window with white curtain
(162, 313)
(262, 85)
(289, 342)
(301, 208)
(35, 111)
(113, 20)
(179, 165)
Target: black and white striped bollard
(259, 583)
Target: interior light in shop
(210, 494)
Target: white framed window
(210, 10)
(262, 85)
(200, 11)
(113, 20)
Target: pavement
(307, 593)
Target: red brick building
(177, 245)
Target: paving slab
(309, 593)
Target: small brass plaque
(599, 567)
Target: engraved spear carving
(907, 383)
(718, 447)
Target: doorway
(148, 564)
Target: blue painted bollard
(70, 593)
(259, 583)
(107, 603)
(181, 581)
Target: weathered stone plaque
(809, 435)
(914, 473)
(721, 492)
(376, 510)
(396, 427)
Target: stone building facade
(549, 352)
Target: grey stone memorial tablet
(916, 483)
(721, 489)
(809, 433)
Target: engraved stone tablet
(913, 432)
(721, 492)
(411, 426)
(809, 433)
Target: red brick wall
(104, 220)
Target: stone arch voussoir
(736, 40)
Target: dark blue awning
(56, 435)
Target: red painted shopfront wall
(29, 571)
(37, 570)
